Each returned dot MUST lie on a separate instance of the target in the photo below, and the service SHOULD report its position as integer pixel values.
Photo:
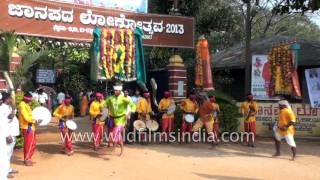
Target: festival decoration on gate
(283, 61)
(117, 54)
(203, 72)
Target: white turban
(117, 88)
(285, 103)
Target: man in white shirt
(60, 97)
(7, 115)
(42, 97)
(3, 146)
(136, 97)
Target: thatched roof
(234, 57)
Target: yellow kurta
(64, 110)
(164, 105)
(244, 109)
(95, 109)
(143, 106)
(25, 116)
(286, 116)
(189, 106)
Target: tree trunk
(9, 81)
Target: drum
(189, 118)
(275, 127)
(14, 127)
(171, 108)
(139, 125)
(152, 125)
(71, 125)
(42, 113)
(104, 113)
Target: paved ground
(168, 161)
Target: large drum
(189, 118)
(139, 125)
(42, 113)
(104, 113)
(152, 125)
(71, 125)
(171, 108)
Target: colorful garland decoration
(282, 69)
(117, 54)
(199, 66)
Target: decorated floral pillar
(177, 78)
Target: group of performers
(119, 109)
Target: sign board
(76, 22)
(129, 5)
(260, 77)
(45, 76)
(308, 119)
(313, 83)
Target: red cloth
(186, 127)
(216, 128)
(117, 134)
(67, 138)
(167, 126)
(250, 127)
(97, 130)
(29, 145)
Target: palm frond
(8, 40)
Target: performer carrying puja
(167, 119)
(95, 112)
(284, 129)
(206, 119)
(249, 109)
(216, 129)
(65, 112)
(27, 124)
(118, 106)
(190, 108)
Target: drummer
(167, 119)
(144, 109)
(118, 106)
(95, 112)
(27, 124)
(188, 106)
(65, 112)
(216, 129)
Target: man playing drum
(27, 124)
(65, 112)
(190, 108)
(144, 110)
(285, 128)
(95, 112)
(216, 112)
(249, 109)
(167, 119)
(118, 106)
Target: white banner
(313, 83)
(260, 77)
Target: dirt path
(168, 161)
